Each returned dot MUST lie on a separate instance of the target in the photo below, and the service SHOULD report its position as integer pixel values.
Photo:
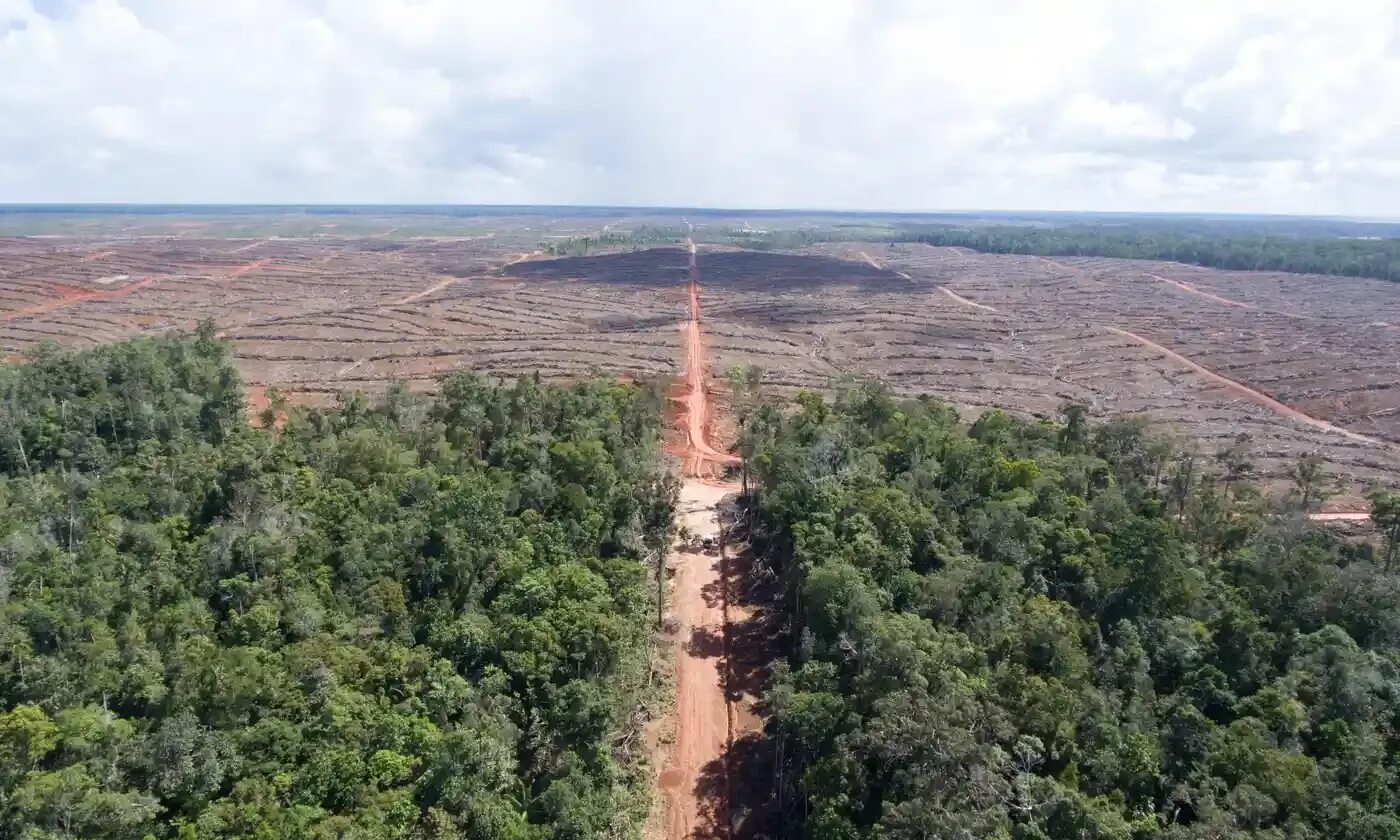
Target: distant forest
(1377, 258)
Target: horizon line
(57, 206)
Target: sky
(1268, 106)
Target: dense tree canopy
(1028, 630)
(417, 618)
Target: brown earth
(701, 459)
(695, 785)
(694, 780)
(317, 314)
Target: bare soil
(318, 313)
(693, 783)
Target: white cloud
(1122, 121)
(1255, 105)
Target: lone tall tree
(1385, 512)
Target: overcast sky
(1288, 106)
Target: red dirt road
(701, 459)
(436, 287)
(694, 782)
(67, 296)
(694, 779)
(247, 267)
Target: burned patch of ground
(720, 270)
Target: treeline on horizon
(398, 619)
(1035, 631)
(1225, 245)
(1377, 258)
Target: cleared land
(315, 314)
(1301, 364)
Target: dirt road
(873, 264)
(1247, 392)
(67, 296)
(960, 299)
(695, 778)
(247, 267)
(434, 288)
(1187, 287)
(695, 775)
(250, 246)
(701, 459)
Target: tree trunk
(660, 586)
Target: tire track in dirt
(960, 299)
(1249, 393)
(875, 265)
(343, 372)
(247, 267)
(250, 246)
(1187, 287)
(436, 287)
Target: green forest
(411, 618)
(1377, 257)
(1029, 630)
(433, 617)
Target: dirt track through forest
(694, 777)
(694, 780)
